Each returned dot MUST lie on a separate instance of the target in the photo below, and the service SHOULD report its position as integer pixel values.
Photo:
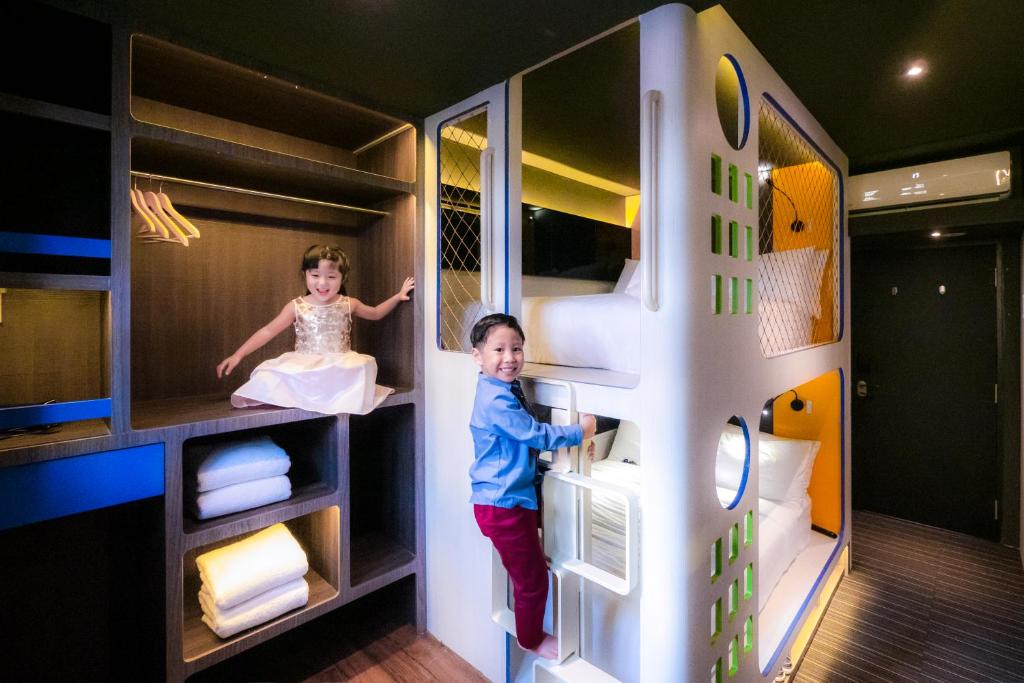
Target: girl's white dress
(323, 374)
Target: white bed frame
(697, 370)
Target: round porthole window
(732, 463)
(733, 101)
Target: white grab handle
(590, 572)
(649, 146)
(486, 228)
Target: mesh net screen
(798, 239)
(459, 199)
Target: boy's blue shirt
(503, 433)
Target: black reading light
(796, 404)
(797, 225)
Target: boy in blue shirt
(503, 471)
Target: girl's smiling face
(324, 282)
(501, 354)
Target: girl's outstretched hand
(407, 287)
(227, 365)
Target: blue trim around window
(53, 245)
(746, 98)
(842, 202)
(58, 488)
(746, 465)
(839, 539)
(485, 105)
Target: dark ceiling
(843, 59)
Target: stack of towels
(253, 581)
(239, 476)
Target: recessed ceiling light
(936, 233)
(916, 69)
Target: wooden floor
(370, 641)
(921, 604)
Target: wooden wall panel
(386, 257)
(192, 307)
(52, 342)
(394, 157)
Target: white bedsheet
(783, 326)
(588, 331)
(784, 529)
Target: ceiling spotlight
(914, 70)
(936, 233)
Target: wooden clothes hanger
(139, 204)
(157, 209)
(185, 223)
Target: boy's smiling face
(501, 354)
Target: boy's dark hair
(483, 327)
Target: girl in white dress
(323, 374)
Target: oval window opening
(732, 101)
(732, 463)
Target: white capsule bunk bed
(773, 322)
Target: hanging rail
(256, 193)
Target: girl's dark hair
(326, 252)
(483, 327)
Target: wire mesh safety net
(798, 239)
(461, 143)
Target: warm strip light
(543, 163)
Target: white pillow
(731, 458)
(629, 279)
(785, 467)
(627, 443)
(792, 275)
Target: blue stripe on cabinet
(54, 245)
(46, 413)
(57, 488)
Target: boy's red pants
(513, 531)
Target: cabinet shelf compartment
(65, 229)
(312, 446)
(382, 497)
(193, 307)
(29, 33)
(318, 534)
(54, 369)
(178, 88)
(181, 154)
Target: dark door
(924, 346)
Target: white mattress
(793, 587)
(588, 331)
(784, 530)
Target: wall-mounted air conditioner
(982, 177)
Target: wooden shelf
(211, 414)
(304, 500)
(201, 647)
(69, 431)
(53, 112)
(100, 283)
(377, 560)
(166, 151)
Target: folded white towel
(239, 461)
(243, 570)
(262, 608)
(236, 497)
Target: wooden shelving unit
(264, 168)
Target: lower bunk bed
(791, 555)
